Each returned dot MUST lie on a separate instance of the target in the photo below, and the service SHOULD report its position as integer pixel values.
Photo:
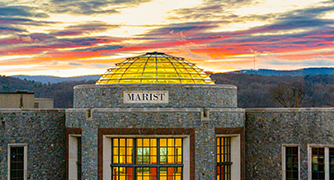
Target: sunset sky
(81, 37)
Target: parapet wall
(179, 96)
(267, 130)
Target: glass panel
(107, 76)
(129, 76)
(17, 163)
(331, 163)
(134, 70)
(172, 81)
(120, 70)
(291, 163)
(137, 65)
(150, 76)
(171, 173)
(141, 59)
(112, 70)
(146, 173)
(185, 76)
(195, 76)
(147, 152)
(150, 70)
(318, 163)
(122, 173)
(165, 66)
(124, 81)
(187, 82)
(223, 158)
(114, 76)
(191, 71)
(113, 82)
(151, 65)
(172, 76)
(148, 81)
(169, 70)
(122, 150)
(163, 142)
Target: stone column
(205, 152)
(89, 148)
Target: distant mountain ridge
(55, 79)
(253, 90)
(263, 72)
(299, 72)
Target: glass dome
(155, 68)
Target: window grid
(318, 163)
(147, 158)
(224, 158)
(17, 163)
(331, 163)
(291, 163)
(155, 68)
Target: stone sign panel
(145, 96)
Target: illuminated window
(224, 158)
(147, 158)
(155, 68)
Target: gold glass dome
(155, 68)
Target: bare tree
(289, 94)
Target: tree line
(280, 91)
(62, 92)
(253, 90)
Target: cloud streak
(210, 34)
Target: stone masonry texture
(44, 133)
(157, 118)
(267, 130)
(199, 108)
(181, 96)
(103, 107)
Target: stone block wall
(180, 96)
(156, 118)
(266, 130)
(44, 133)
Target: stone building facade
(166, 131)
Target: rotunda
(158, 117)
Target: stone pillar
(205, 153)
(89, 148)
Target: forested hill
(298, 72)
(62, 93)
(264, 72)
(55, 79)
(253, 90)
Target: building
(157, 116)
(23, 99)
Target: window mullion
(158, 158)
(134, 160)
(220, 157)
